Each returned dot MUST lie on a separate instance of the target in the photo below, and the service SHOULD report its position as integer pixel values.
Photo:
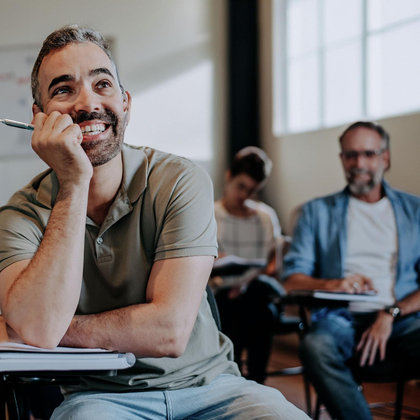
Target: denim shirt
(320, 239)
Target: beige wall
(307, 165)
(161, 47)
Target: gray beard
(366, 187)
(359, 189)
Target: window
(337, 61)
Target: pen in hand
(18, 124)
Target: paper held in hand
(334, 295)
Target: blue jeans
(327, 354)
(227, 397)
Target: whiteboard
(15, 98)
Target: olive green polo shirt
(164, 209)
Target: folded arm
(161, 327)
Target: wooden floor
(285, 355)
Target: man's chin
(98, 155)
(361, 189)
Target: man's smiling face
(80, 80)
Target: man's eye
(104, 84)
(350, 155)
(61, 90)
(369, 153)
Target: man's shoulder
(262, 209)
(33, 203)
(38, 192)
(404, 196)
(326, 201)
(162, 162)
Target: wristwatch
(393, 310)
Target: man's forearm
(160, 327)
(356, 283)
(301, 281)
(40, 301)
(145, 330)
(410, 304)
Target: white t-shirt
(372, 249)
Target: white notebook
(20, 357)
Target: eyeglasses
(368, 154)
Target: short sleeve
(21, 233)
(189, 227)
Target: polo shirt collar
(136, 167)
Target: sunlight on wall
(176, 116)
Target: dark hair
(253, 162)
(371, 125)
(69, 34)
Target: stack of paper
(21, 357)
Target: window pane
(185, 103)
(337, 29)
(302, 27)
(343, 84)
(382, 13)
(393, 71)
(303, 94)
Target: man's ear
(127, 104)
(228, 175)
(35, 110)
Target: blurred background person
(248, 229)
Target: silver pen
(18, 124)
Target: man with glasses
(363, 239)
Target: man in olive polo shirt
(112, 247)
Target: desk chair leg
(399, 400)
(307, 396)
(2, 398)
(17, 407)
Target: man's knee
(317, 349)
(259, 401)
(83, 410)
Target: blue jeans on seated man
(328, 354)
(228, 397)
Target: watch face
(394, 311)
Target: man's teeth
(91, 130)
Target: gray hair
(371, 125)
(69, 34)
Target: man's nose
(87, 100)
(360, 161)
